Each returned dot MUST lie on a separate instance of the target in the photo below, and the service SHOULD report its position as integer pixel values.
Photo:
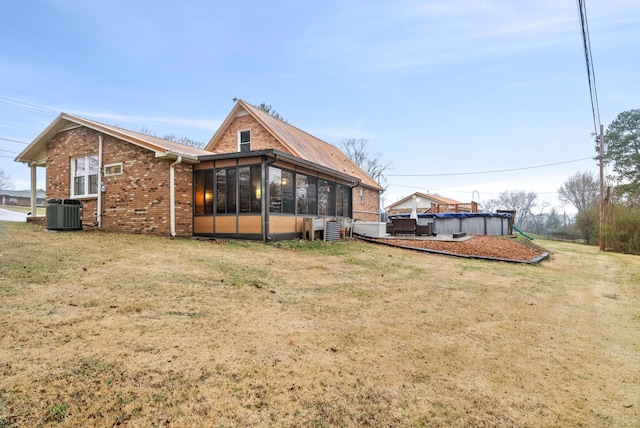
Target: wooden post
(34, 191)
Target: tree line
(620, 197)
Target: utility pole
(601, 228)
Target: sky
(464, 99)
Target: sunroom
(266, 195)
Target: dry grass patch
(101, 329)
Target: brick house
(257, 178)
(20, 197)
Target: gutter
(179, 158)
(282, 156)
(175, 155)
(99, 181)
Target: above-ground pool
(494, 224)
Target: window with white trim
(244, 141)
(84, 176)
(113, 169)
(361, 195)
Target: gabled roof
(434, 198)
(298, 142)
(35, 152)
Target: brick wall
(136, 201)
(261, 139)
(368, 209)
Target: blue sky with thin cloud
(441, 89)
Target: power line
(13, 141)
(19, 105)
(17, 126)
(460, 191)
(8, 151)
(488, 172)
(591, 75)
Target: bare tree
(580, 190)
(519, 201)
(489, 205)
(184, 140)
(371, 163)
(146, 131)
(268, 109)
(173, 137)
(5, 181)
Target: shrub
(622, 233)
(587, 223)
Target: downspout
(172, 194)
(99, 181)
(353, 185)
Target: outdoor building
(21, 197)
(257, 178)
(426, 203)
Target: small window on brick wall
(362, 196)
(84, 176)
(244, 141)
(113, 169)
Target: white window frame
(86, 175)
(361, 195)
(240, 131)
(111, 165)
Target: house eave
(173, 156)
(32, 154)
(279, 155)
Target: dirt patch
(478, 245)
